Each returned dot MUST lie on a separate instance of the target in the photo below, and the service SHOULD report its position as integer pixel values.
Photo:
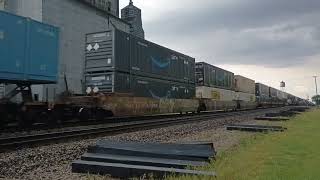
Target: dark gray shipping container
(212, 76)
(262, 90)
(273, 92)
(115, 50)
(139, 86)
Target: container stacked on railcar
(29, 54)
(245, 92)
(117, 62)
(262, 95)
(215, 87)
(28, 51)
(273, 96)
(282, 97)
(134, 77)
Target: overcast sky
(267, 40)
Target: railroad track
(90, 122)
(115, 128)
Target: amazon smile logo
(160, 63)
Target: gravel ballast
(53, 161)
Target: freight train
(124, 76)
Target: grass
(293, 154)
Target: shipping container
(273, 92)
(214, 93)
(212, 76)
(139, 86)
(75, 19)
(246, 97)
(115, 50)
(243, 84)
(262, 90)
(28, 50)
(282, 95)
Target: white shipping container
(243, 84)
(214, 93)
(246, 97)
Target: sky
(267, 40)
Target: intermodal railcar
(124, 76)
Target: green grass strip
(293, 154)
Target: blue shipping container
(29, 50)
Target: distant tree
(316, 99)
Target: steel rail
(116, 128)
(72, 123)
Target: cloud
(274, 33)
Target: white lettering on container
(98, 78)
(100, 35)
(135, 68)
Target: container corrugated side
(161, 89)
(152, 60)
(99, 52)
(12, 37)
(119, 51)
(273, 92)
(109, 82)
(212, 76)
(43, 52)
(117, 82)
(214, 93)
(281, 95)
(262, 90)
(29, 50)
(243, 84)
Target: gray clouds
(263, 32)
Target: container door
(104, 81)
(140, 58)
(121, 57)
(12, 46)
(199, 74)
(43, 52)
(99, 52)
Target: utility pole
(315, 80)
